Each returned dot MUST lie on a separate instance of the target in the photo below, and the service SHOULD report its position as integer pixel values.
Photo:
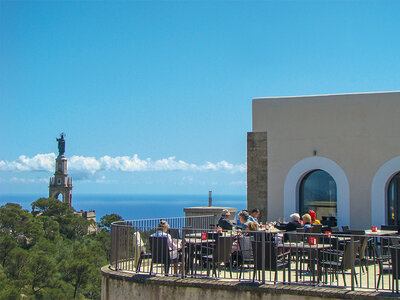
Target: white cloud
(223, 165)
(82, 167)
(40, 162)
(84, 164)
(123, 163)
(28, 180)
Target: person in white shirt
(173, 246)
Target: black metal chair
(175, 233)
(334, 229)
(221, 253)
(160, 253)
(389, 227)
(316, 228)
(245, 251)
(140, 250)
(390, 264)
(143, 255)
(273, 261)
(337, 260)
(361, 257)
(395, 254)
(345, 229)
(213, 235)
(385, 267)
(386, 242)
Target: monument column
(61, 184)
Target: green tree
(41, 268)
(47, 254)
(106, 220)
(73, 226)
(16, 263)
(7, 244)
(50, 207)
(70, 225)
(82, 268)
(20, 224)
(8, 290)
(15, 219)
(104, 239)
(51, 228)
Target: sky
(155, 96)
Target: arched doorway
(380, 191)
(318, 192)
(393, 200)
(305, 166)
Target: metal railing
(193, 247)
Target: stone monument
(61, 184)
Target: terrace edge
(152, 287)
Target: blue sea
(132, 207)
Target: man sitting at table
(224, 221)
(244, 219)
(255, 214)
(292, 225)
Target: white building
(336, 154)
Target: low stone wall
(121, 285)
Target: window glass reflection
(318, 192)
(393, 200)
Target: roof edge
(327, 95)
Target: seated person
(244, 219)
(314, 219)
(292, 225)
(252, 226)
(163, 227)
(255, 214)
(224, 221)
(307, 222)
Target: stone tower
(60, 184)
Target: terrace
(340, 263)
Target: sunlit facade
(338, 155)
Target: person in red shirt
(314, 219)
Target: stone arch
(303, 167)
(378, 190)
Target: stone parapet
(122, 285)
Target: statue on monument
(61, 144)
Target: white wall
(358, 132)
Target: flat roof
(327, 95)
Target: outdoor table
(198, 234)
(193, 235)
(381, 232)
(192, 246)
(313, 251)
(376, 235)
(271, 230)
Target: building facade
(336, 154)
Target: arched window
(318, 192)
(393, 197)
